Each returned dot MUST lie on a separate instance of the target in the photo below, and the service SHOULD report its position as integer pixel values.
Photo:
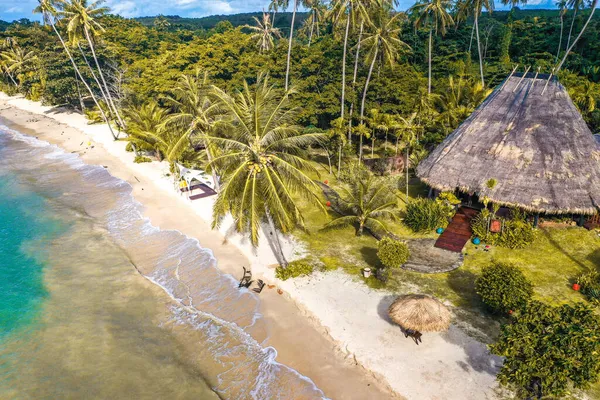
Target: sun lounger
(246, 279)
(260, 287)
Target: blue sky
(15, 9)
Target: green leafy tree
(435, 15)
(550, 350)
(366, 203)
(392, 253)
(503, 288)
(263, 163)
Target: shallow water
(97, 303)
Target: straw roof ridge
(526, 146)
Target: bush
(129, 147)
(293, 270)
(141, 159)
(516, 233)
(550, 350)
(392, 253)
(503, 288)
(590, 286)
(424, 215)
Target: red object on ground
(510, 312)
(495, 226)
(326, 182)
(328, 204)
(576, 287)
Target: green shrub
(392, 253)
(516, 232)
(590, 286)
(424, 215)
(293, 270)
(129, 147)
(503, 287)
(141, 159)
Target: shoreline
(314, 354)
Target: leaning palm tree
(263, 163)
(366, 203)
(383, 42)
(264, 33)
(593, 5)
(83, 24)
(49, 16)
(435, 15)
(562, 5)
(576, 5)
(475, 8)
(285, 4)
(194, 111)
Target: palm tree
(263, 163)
(562, 5)
(576, 5)
(585, 98)
(348, 11)
(161, 23)
(316, 8)
(194, 112)
(49, 15)
(366, 203)
(148, 130)
(263, 33)
(475, 7)
(18, 61)
(83, 24)
(593, 5)
(285, 4)
(383, 37)
(435, 15)
(408, 129)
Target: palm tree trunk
(79, 93)
(106, 89)
(364, 97)
(344, 66)
(289, 54)
(571, 29)
(339, 159)
(12, 79)
(406, 168)
(430, 39)
(361, 228)
(373, 145)
(89, 89)
(560, 38)
(95, 77)
(471, 41)
(594, 5)
(312, 26)
(274, 242)
(354, 81)
(479, 49)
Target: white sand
(449, 365)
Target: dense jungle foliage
(143, 63)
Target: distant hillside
(282, 20)
(3, 25)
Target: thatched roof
(531, 140)
(420, 312)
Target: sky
(16, 9)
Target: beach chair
(246, 280)
(260, 287)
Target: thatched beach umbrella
(419, 312)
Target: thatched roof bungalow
(526, 146)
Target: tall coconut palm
(285, 4)
(49, 16)
(264, 33)
(562, 5)
(383, 43)
(366, 203)
(194, 111)
(316, 13)
(593, 5)
(263, 163)
(435, 15)
(407, 129)
(348, 11)
(17, 61)
(576, 5)
(475, 8)
(82, 23)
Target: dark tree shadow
(561, 249)
(594, 258)
(369, 254)
(479, 357)
(383, 306)
(463, 284)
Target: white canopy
(199, 175)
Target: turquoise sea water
(24, 225)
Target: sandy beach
(348, 348)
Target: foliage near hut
(503, 288)
(549, 350)
(392, 253)
(590, 286)
(424, 215)
(516, 232)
